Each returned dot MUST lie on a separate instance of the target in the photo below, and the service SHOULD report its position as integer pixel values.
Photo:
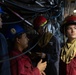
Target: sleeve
(54, 50)
(35, 71)
(26, 68)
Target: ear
(18, 40)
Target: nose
(73, 30)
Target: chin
(73, 37)
(26, 46)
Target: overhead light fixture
(74, 10)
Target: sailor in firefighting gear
(47, 47)
(68, 51)
(22, 65)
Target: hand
(41, 65)
(42, 55)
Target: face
(23, 41)
(71, 32)
(41, 30)
(0, 21)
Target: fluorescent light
(74, 11)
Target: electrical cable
(19, 54)
(20, 17)
(36, 9)
(12, 22)
(41, 9)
